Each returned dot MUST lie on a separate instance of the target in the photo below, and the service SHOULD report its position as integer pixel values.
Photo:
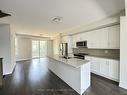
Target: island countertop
(75, 62)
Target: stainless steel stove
(80, 55)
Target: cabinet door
(104, 67)
(93, 39)
(95, 65)
(83, 36)
(89, 39)
(78, 37)
(103, 38)
(114, 69)
(114, 37)
(96, 39)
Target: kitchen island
(75, 72)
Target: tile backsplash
(110, 53)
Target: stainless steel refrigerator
(64, 50)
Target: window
(39, 48)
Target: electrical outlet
(106, 51)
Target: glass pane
(35, 48)
(43, 48)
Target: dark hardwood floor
(33, 78)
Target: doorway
(39, 48)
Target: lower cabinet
(105, 67)
(114, 69)
(95, 65)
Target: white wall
(56, 43)
(7, 48)
(24, 48)
(123, 53)
(13, 57)
(123, 50)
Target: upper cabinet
(114, 37)
(105, 38)
(93, 39)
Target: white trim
(105, 76)
(123, 86)
(24, 59)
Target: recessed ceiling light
(57, 19)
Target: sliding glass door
(43, 48)
(39, 48)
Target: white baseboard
(23, 59)
(123, 86)
(105, 76)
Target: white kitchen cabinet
(110, 69)
(78, 37)
(84, 36)
(96, 39)
(95, 65)
(103, 35)
(105, 38)
(104, 67)
(89, 39)
(114, 69)
(114, 37)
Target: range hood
(2, 14)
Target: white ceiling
(34, 16)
